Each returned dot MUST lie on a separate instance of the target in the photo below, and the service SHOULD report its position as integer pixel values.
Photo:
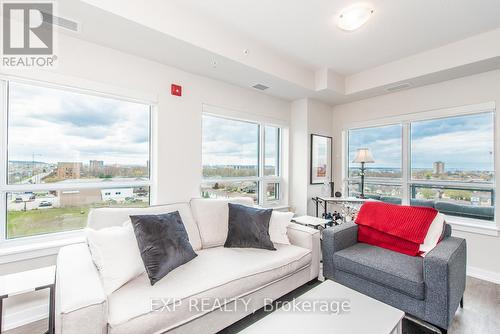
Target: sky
(463, 142)
(230, 142)
(61, 125)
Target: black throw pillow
(163, 242)
(249, 227)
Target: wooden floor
(480, 315)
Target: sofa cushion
(212, 217)
(115, 254)
(394, 270)
(215, 273)
(163, 242)
(248, 227)
(106, 217)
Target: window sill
(473, 226)
(35, 247)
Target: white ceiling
(294, 46)
(306, 30)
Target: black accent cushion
(163, 242)
(248, 227)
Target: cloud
(229, 142)
(460, 142)
(59, 125)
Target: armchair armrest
(444, 276)
(80, 299)
(335, 239)
(309, 238)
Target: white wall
(178, 118)
(299, 158)
(308, 117)
(474, 89)
(320, 122)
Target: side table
(29, 281)
(310, 221)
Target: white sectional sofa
(217, 272)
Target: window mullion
(261, 157)
(3, 159)
(406, 163)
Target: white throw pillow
(433, 235)
(116, 255)
(278, 226)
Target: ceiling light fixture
(353, 17)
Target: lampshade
(363, 155)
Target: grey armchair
(429, 288)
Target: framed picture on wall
(321, 159)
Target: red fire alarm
(176, 90)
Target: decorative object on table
(321, 159)
(332, 189)
(29, 281)
(326, 189)
(349, 206)
(363, 156)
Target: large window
(68, 152)
(241, 158)
(449, 164)
(384, 176)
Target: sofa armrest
(80, 299)
(309, 238)
(335, 239)
(444, 276)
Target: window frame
(261, 179)
(406, 182)
(5, 187)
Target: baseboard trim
(26, 316)
(484, 275)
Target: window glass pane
(272, 192)
(230, 189)
(271, 150)
(383, 192)
(470, 203)
(56, 135)
(230, 148)
(453, 149)
(385, 145)
(32, 213)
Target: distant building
(69, 170)
(77, 198)
(439, 167)
(96, 166)
(118, 195)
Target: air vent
(398, 87)
(260, 87)
(61, 22)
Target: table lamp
(363, 156)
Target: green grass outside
(34, 222)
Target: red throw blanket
(395, 227)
